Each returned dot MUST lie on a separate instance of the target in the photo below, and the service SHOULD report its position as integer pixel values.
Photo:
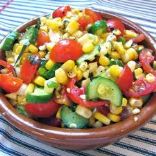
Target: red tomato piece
(42, 110)
(139, 38)
(146, 58)
(84, 21)
(61, 11)
(66, 50)
(141, 87)
(125, 80)
(75, 93)
(10, 83)
(42, 38)
(28, 70)
(7, 65)
(116, 24)
(93, 15)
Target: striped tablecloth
(15, 12)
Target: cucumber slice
(72, 119)
(38, 96)
(104, 89)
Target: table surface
(15, 12)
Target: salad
(75, 69)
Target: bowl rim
(48, 132)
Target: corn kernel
(100, 117)
(103, 60)
(43, 20)
(116, 32)
(93, 67)
(24, 57)
(68, 65)
(10, 60)
(17, 48)
(130, 34)
(43, 47)
(115, 110)
(106, 48)
(136, 111)
(118, 46)
(150, 78)
(72, 27)
(53, 24)
(111, 38)
(21, 100)
(124, 102)
(115, 71)
(132, 65)
(78, 34)
(136, 102)
(115, 55)
(41, 54)
(58, 114)
(96, 40)
(83, 111)
(128, 44)
(39, 81)
(61, 76)
(30, 88)
(113, 117)
(138, 73)
(44, 28)
(33, 49)
(49, 64)
(83, 66)
(88, 47)
(50, 46)
(78, 72)
(97, 124)
(132, 53)
(86, 74)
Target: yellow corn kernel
(33, 49)
(132, 53)
(61, 76)
(83, 111)
(86, 74)
(138, 73)
(58, 114)
(102, 118)
(132, 65)
(21, 100)
(106, 48)
(115, 55)
(44, 28)
(96, 40)
(104, 36)
(115, 110)
(68, 65)
(30, 88)
(130, 34)
(150, 78)
(42, 54)
(17, 48)
(72, 27)
(113, 117)
(128, 44)
(39, 81)
(118, 46)
(50, 46)
(124, 102)
(76, 11)
(53, 24)
(103, 60)
(83, 66)
(78, 34)
(43, 20)
(136, 102)
(10, 60)
(116, 32)
(115, 71)
(88, 47)
(111, 38)
(93, 67)
(49, 64)
(79, 73)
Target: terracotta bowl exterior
(80, 139)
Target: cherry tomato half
(42, 110)
(66, 50)
(10, 83)
(116, 24)
(61, 11)
(42, 38)
(93, 15)
(125, 80)
(28, 70)
(146, 58)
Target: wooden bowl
(78, 139)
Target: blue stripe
(133, 148)
(152, 131)
(108, 152)
(18, 23)
(24, 144)
(142, 139)
(78, 153)
(11, 151)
